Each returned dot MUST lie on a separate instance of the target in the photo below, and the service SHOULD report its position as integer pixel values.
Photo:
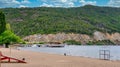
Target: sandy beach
(37, 59)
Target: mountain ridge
(47, 20)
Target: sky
(57, 3)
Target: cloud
(25, 2)
(46, 5)
(22, 6)
(12, 3)
(68, 3)
(114, 3)
(8, 3)
(59, 3)
(83, 2)
(63, 1)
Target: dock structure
(104, 54)
(7, 59)
(54, 45)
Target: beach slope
(37, 59)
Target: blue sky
(57, 3)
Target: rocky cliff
(83, 38)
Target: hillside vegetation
(45, 20)
(7, 37)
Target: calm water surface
(85, 51)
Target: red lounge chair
(9, 59)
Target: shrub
(102, 42)
(72, 42)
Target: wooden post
(8, 59)
(10, 50)
(0, 58)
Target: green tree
(8, 27)
(2, 22)
(8, 38)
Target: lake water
(85, 51)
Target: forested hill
(45, 20)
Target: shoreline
(39, 59)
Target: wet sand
(37, 59)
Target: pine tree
(2, 22)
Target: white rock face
(99, 36)
(60, 37)
(115, 38)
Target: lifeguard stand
(104, 54)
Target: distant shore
(38, 59)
